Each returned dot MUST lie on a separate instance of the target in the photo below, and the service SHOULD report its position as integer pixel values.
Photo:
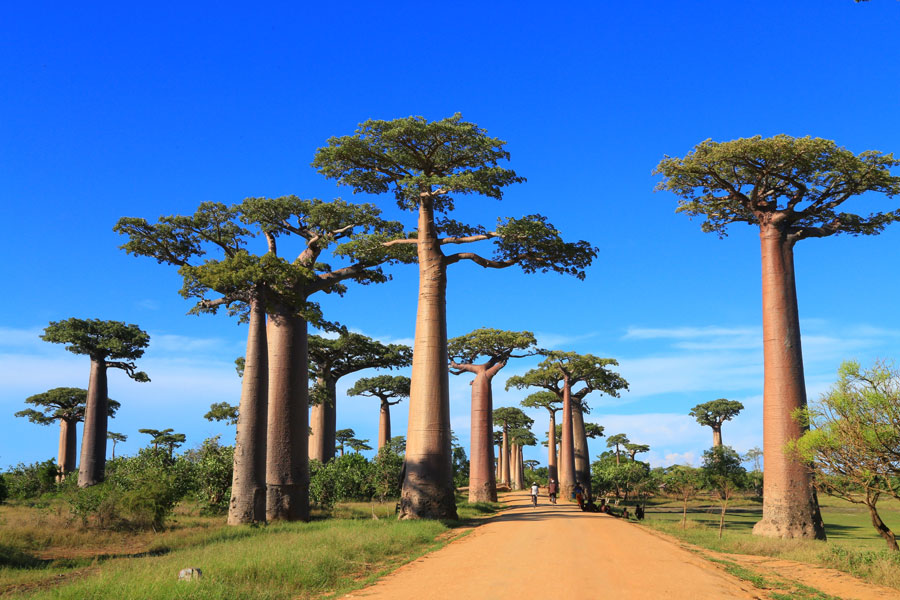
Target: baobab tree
(791, 189)
(635, 449)
(109, 345)
(166, 438)
(617, 441)
(331, 359)
(551, 403)
(271, 469)
(518, 438)
(508, 418)
(343, 437)
(115, 438)
(427, 165)
(559, 373)
(494, 348)
(385, 388)
(66, 405)
(714, 413)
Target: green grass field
(853, 545)
(332, 554)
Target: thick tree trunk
(717, 436)
(521, 467)
(504, 458)
(248, 481)
(68, 447)
(580, 444)
(384, 425)
(790, 508)
(92, 465)
(323, 420)
(287, 465)
(551, 448)
(883, 530)
(567, 446)
(514, 467)
(482, 485)
(428, 490)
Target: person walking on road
(534, 494)
(552, 490)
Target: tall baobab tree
(791, 189)
(518, 438)
(65, 405)
(508, 418)
(271, 469)
(115, 438)
(385, 388)
(572, 377)
(551, 403)
(714, 413)
(110, 345)
(494, 348)
(617, 441)
(331, 359)
(427, 165)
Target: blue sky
(111, 110)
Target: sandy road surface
(557, 552)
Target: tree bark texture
(96, 412)
(248, 481)
(504, 458)
(551, 448)
(323, 420)
(580, 449)
(482, 485)
(287, 464)
(566, 446)
(427, 490)
(68, 446)
(384, 425)
(790, 507)
(515, 468)
(717, 436)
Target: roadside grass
(339, 550)
(853, 546)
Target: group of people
(585, 502)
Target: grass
(853, 546)
(336, 552)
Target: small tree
(617, 441)
(65, 405)
(714, 413)
(853, 447)
(358, 445)
(723, 475)
(222, 411)
(791, 189)
(166, 438)
(109, 344)
(342, 437)
(683, 482)
(115, 438)
(385, 388)
(635, 449)
(754, 455)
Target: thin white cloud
(648, 333)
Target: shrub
(212, 465)
(25, 482)
(385, 474)
(321, 485)
(4, 492)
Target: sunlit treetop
(716, 412)
(511, 416)
(491, 345)
(544, 399)
(113, 342)
(792, 183)
(383, 387)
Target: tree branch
(468, 239)
(480, 260)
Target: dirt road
(556, 551)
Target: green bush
(385, 474)
(28, 482)
(321, 485)
(4, 491)
(212, 466)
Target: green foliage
(222, 411)
(593, 431)
(384, 387)
(347, 477)
(510, 417)
(61, 403)
(165, 437)
(716, 412)
(493, 345)
(855, 433)
(4, 489)
(801, 180)
(102, 340)
(28, 482)
(460, 466)
(397, 444)
(723, 472)
(543, 399)
(624, 477)
(386, 471)
(212, 472)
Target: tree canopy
(384, 387)
(60, 403)
(586, 369)
(797, 184)
(116, 344)
(222, 411)
(493, 346)
(511, 417)
(544, 399)
(716, 412)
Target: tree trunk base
(249, 508)
(786, 522)
(288, 502)
(485, 493)
(566, 491)
(427, 502)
